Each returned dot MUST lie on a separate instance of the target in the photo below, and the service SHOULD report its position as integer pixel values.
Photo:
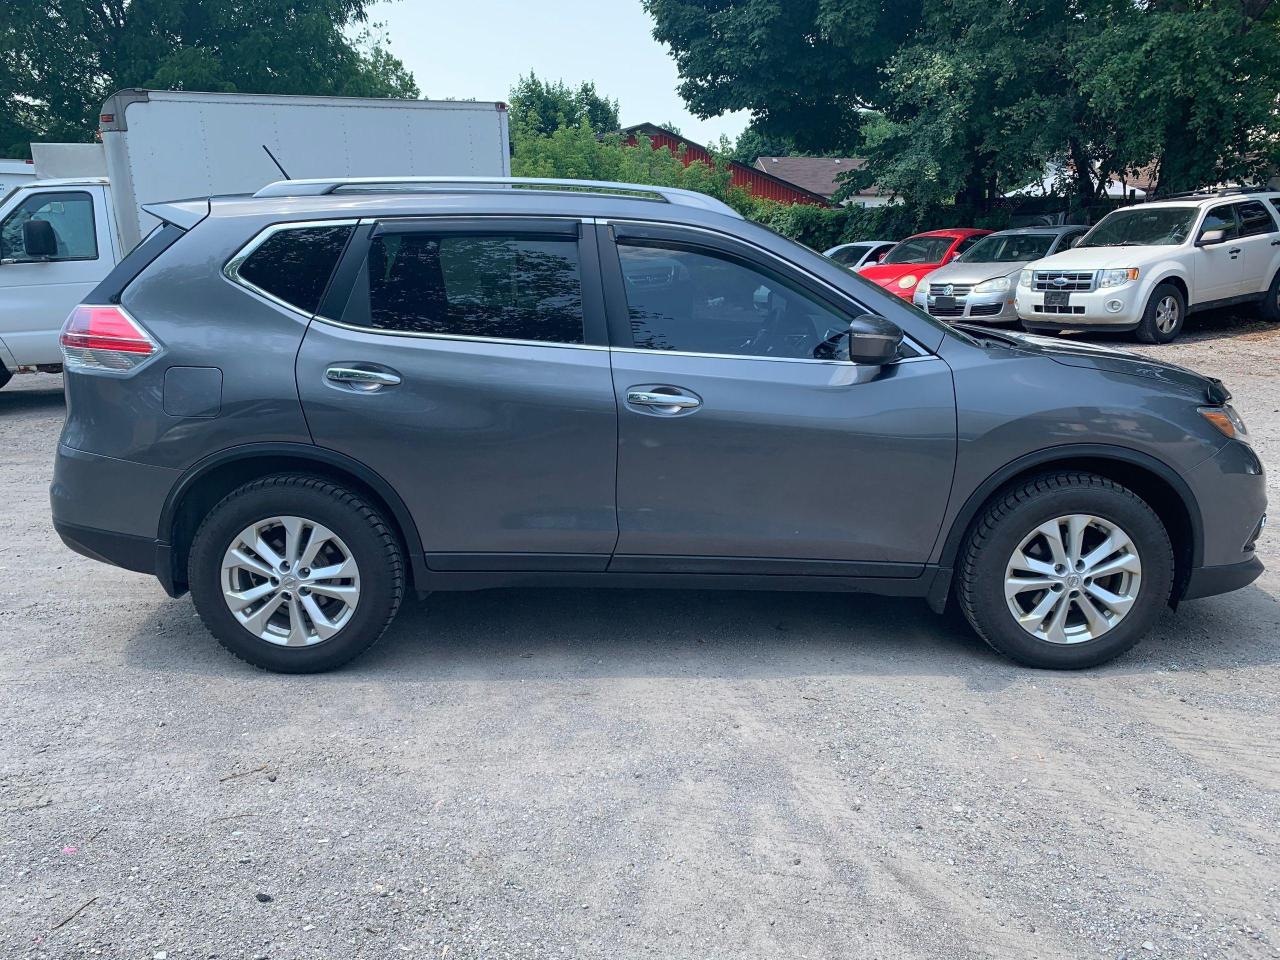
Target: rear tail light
(105, 338)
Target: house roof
(815, 174)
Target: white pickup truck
(61, 235)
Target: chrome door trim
(740, 356)
(456, 336)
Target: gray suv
(303, 404)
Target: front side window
(1008, 248)
(1150, 227)
(920, 250)
(70, 214)
(702, 302)
(519, 287)
(1254, 219)
(293, 265)
(849, 255)
(1220, 218)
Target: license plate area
(944, 303)
(1057, 298)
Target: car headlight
(994, 285)
(1116, 278)
(1227, 420)
(907, 282)
(1024, 279)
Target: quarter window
(293, 265)
(495, 287)
(698, 302)
(1254, 219)
(71, 216)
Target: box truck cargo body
(159, 146)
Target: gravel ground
(599, 774)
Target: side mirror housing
(873, 340)
(1208, 238)
(39, 240)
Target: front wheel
(295, 574)
(1269, 308)
(1162, 319)
(5, 375)
(1067, 570)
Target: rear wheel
(1163, 318)
(1067, 570)
(5, 375)
(295, 574)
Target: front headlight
(1116, 278)
(994, 285)
(907, 282)
(1024, 279)
(1227, 420)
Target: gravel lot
(659, 774)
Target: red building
(755, 182)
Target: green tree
(539, 108)
(62, 58)
(752, 144)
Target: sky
(477, 48)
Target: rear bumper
(1211, 581)
(122, 550)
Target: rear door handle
(681, 401)
(362, 378)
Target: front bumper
(980, 308)
(1087, 308)
(1211, 581)
(1231, 491)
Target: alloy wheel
(1167, 314)
(290, 581)
(1072, 579)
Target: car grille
(956, 311)
(1059, 309)
(985, 309)
(957, 289)
(1071, 280)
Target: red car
(915, 257)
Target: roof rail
(1212, 192)
(325, 187)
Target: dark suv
(302, 404)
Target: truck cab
(47, 270)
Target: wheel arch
(1176, 279)
(205, 483)
(1158, 484)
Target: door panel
(770, 459)
(504, 450)
(1259, 245)
(1218, 269)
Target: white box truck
(164, 145)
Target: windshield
(1151, 227)
(920, 250)
(1008, 248)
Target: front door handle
(362, 378)
(679, 401)
(1275, 243)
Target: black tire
(5, 375)
(1149, 330)
(1017, 511)
(1269, 307)
(363, 531)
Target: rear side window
(517, 287)
(293, 265)
(1254, 219)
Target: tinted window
(70, 215)
(294, 265)
(498, 287)
(920, 250)
(703, 303)
(1220, 218)
(1254, 219)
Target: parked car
(859, 253)
(1144, 268)
(63, 231)
(917, 256)
(305, 404)
(980, 283)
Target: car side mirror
(1208, 238)
(873, 340)
(39, 240)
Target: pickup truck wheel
(1162, 320)
(1269, 308)
(295, 574)
(1067, 570)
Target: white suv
(1144, 268)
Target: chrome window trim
(231, 270)
(319, 318)
(743, 356)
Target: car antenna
(284, 173)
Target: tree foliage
(539, 108)
(964, 100)
(60, 59)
